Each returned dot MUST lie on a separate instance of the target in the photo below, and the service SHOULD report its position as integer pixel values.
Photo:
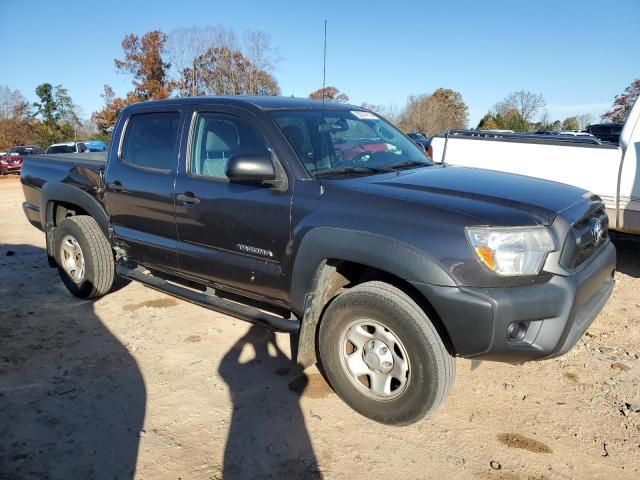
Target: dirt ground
(141, 385)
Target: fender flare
(384, 253)
(311, 273)
(60, 192)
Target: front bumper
(556, 313)
(5, 169)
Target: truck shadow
(72, 398)
(267, 436)
(628, 252)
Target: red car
(12, 161)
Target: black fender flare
(60, 192)
(311, 273)
(384, 253)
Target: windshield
(343, 141)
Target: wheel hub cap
(377, 356)
(72, 258)
(375, 359)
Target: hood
(493, 198)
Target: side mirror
(251, 168)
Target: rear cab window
(151, 141)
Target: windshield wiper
(408, 163)
(359, 170)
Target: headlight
(4, 162)
(511, 251)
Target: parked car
(95, 145)
(420, 139)
(386, 264)
(610, 171)
(11, 162)
(608, 132)
(67, 147)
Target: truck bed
(81, 170)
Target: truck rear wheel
(383, 356)
(84, 257)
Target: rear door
(140, 185)
(231, 234)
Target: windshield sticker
(364, 115)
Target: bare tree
(187, 43)
(259, 50)
(15, 124)
(188, 48)
(527, 104)
(12, 103)
(584, 120)
(389, 112)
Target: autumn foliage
(329, 94)
(623, 103)
(143, 60)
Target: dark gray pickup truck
(325, 221)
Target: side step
(211, 301)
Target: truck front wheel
(84, 257)
(383, 356)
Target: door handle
(188, 197)
(116, 186)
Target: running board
(211, 301)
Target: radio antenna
(324, 77)
(324, 63)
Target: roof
(261, 101)
(68, 144)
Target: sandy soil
(141, 385)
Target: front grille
(585, 238)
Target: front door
(231, 234)
(139, 187)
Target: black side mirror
(251, 168)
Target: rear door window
(151, 140)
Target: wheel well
(348, 274)
(62, 210)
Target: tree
(570, 123)
(105, 119)
(389, 112)
(623, 103)
(505, 120)
(221, 71)
(143, 60)
(527, 104)
(15, 125)
(430, 114)
(488, 122)
(584, 120)
(330, 94)
(56, 113)
(193, 50)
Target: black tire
(96, 251)
(431, 370)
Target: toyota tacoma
(324, 221)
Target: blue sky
(579, 55)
